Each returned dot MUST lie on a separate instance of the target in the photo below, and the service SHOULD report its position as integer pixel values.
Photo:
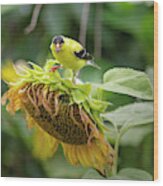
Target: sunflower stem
(116, 149)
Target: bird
(71, 54)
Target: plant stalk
(116, 149)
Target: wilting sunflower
(61, 113)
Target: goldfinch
(71, 54)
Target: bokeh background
(117, 34)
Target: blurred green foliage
(127, 41)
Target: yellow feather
(67, 57)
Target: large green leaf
(134, 174)
(131, 115)
(128, 81)
(123, 174)
(130, 139)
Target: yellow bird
(70, 53)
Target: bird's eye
(62, 41)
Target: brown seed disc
(52, 112)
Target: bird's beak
(58, 47)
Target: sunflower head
(62, 113)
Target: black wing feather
(83, 54)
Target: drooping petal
(44, 146)
(96, 154)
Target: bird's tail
(93, 64)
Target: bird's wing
(83, 54)
(78, 50)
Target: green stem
(116, 149)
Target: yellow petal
(9, 72)
(44, 145)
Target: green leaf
(36, 67)
(92, 174)
(68, 83)
(96, 92)
(131, 115)
(128, 81)
(49, 64)
(60, 87)
(99, 121)
(111, 134)
(95, 116)
(85, 88)
(130, 139)
(150, 72)
(124, 174)
(134, 174)
(86, 107)
(68, 73)
(78, 96)
(98, 105)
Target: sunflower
(61, 112)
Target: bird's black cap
(58, 39)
